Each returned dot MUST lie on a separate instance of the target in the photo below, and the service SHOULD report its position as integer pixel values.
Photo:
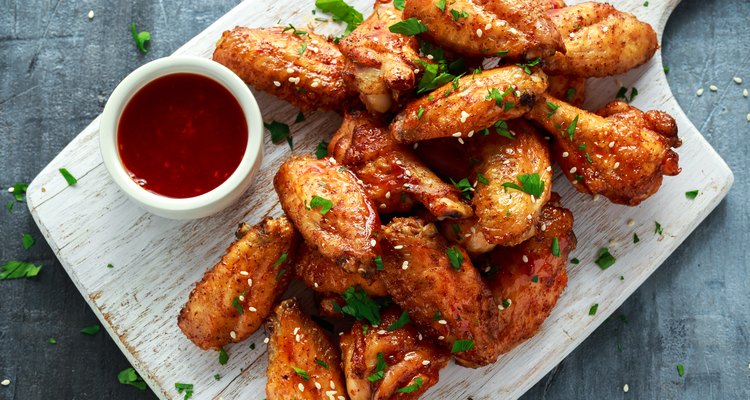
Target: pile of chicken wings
(431, 225)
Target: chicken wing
(551, 4)
(302, 363)
(516, 28)
(600, 41)
(464, 232)
(330, 208)
(569, 88)
(381, 360)
(392, 175)
(384, 63)
(507, 215)
(621, 153)
(532, 276)
(297, 66)
(441, 290)
(237, 294)
(470, 105)
(322, 275)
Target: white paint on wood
(157, 261)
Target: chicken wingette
(621, 152)
(440, 289)
(472, 103)
(294, 65)
(391, 173)
(514, 28)
(600, 41)
(384, 64)
(237, 294)
(302, 363)
(381, 361)
(329, 207)
(322, 275)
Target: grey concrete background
(57, 68)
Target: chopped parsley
(282, 258)
(408, 27)
(322, 363)
(413, 387)
(455, 256)
(535, 278)
(280, 274)
(459, 14)
(341, 12)
(666, 70)
(462, 345)
(15, 269)
(680, 370)
(27, 241)
(692, 194)
(456, 228)
(217, 377)
(604, 259)
(527, 67)
(52, 340)
(140, 38)
(68, 177)
(324, 204)
(501, 127)
(360, 306)
(657, 228)
(19, 190)
(495, 94)
(582, 147)
(301, 51)
(636, 239)
(482, 179)
(555, 247)
(279, 132)
(433, 77)
(570, 93)
(301, 372)
(399, 4)
(530, 183)
(622, 94)
(400, 322)
(438, 316)
(299, 118)
(380, 367)
(440, 5)
(237, 304)
(322, 150)
(552, 108)
(91, 330)
(464, 186)
(252, 346)
(223, 356)
(378, 260)
(575, 261)
(110, 266)
(128, 376)
(420, 112)
(572, 128)
(592, 310)
(295, 31)
(184, 387)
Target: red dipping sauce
(182, 135)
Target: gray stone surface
(57, 68)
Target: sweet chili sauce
(182, 135)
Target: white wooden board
(157, 261)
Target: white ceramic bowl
(207, 203)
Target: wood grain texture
(159, 260)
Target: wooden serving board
(157, 261)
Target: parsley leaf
(27, 241)
(413, 387)
(324, 204)
(341, 12)
(463, 186)
(552, 107)
(527, 67)
(592, 310)
(19, 190)
(575, 261)
(462, 345)
(636, 239)
(622, 94)
(322, 363)
(68, 177)
(91, 330)
(128, 376)
(555, 247)
(295, 31)
(140, 38)
(223, 356)
(301, 51)
(501, 127)
(458, 15)
(692, 194)
(572, 128)
(455, 256)
(322, 150)
(570, 93)
(185, 387)
(400, 322)
(301, 372)
(530, 183)
(237, 304)
(379, 369)
(680, 370)
(399, 4)
(433, 77)
(378, 260)
(440, 5)
(360, 306)
(408, 27)
(420, 112)
(494, 94)
(299, 118)
(279, 132)
(278, 262)
(604, 259)
(482, 179)
(15, 269)
(658, 229)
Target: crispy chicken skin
(322, 275)
(530, 303)
(470, 107)
(245, 277)
(383, 63)
(600, 41)
(346, 232)
(269, 59)
(551, 4)
(507, 216)
(629, 150)
(519, 27)
(298, 342)
(452, 303)
(403, 350)
(391, 173)
(569, 88)
(464, 232)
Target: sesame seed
(525, 258)
(416, 70)
(314, 84)
(443, 322)
(713, 88)
(430, 57)
(737, 80)
(294, 80)
(297, 337)
(315, 284)
(748, 117)
(625, 388)
(617, 164)
(573, 170)
(341, 398)
(330, 393)
(509, 302)
(488, 26)
(241, 298)
(252, 309)
(572, 35)
(487, 269)
(91, 14)
(245, 273)
(249, 281)
(408, 172)
(500, 307)
(575, 181)
(464, 116)
(341, 333)
(301, 387)
(479, 33)
(457, 134)
(419, 336)
(276, 83)
(405, 265)
(533, 199)
(290, 70)
(426, 362)
(460, 141)
(613, 242)
(332, 385)
(318, 386)
(699, 92)
(373, 242)
(441, 337)
(605, 28)
(549, 168)
(5, 382)
(744, 93)
(565, 154)
(611, 144)
(296, 330)
(415, 145)
(596, 197)
(265, 340)
(233, 335)
(470, 134)
(382, 332)
(543, 227)
(528, 217)
(11, 189)
(383, 205)
(398, 247)
(387, 195)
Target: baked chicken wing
(531, 277)
(384, 63)
(621, 153)
(516, 28)
(237, 294)
(330, 208)
(600, 41)
(302, 363)
(379, 361)
(322, 275)
(297, 66)
(572, 89)
(440, 289)
(391, 173)
(473, 103)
